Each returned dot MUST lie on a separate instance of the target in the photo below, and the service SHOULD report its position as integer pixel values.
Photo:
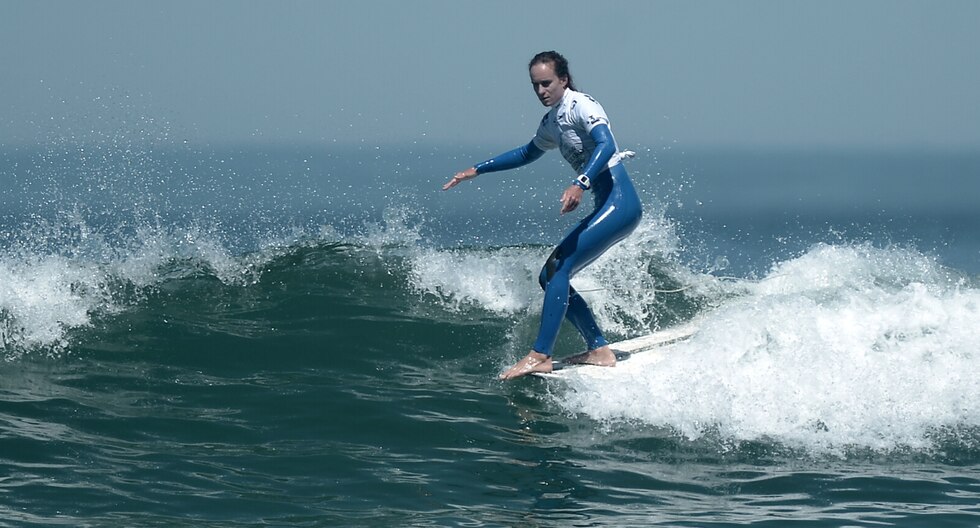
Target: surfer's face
(547, 85)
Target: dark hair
(559, 63)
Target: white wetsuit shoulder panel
(567, 126)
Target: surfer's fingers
(459, 177)
(453, 182)
(570, 199)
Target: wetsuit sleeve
(605, 147)
(511, 159)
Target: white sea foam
(41, 297)
(503, 281)
(845, 346)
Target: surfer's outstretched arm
(511, 159)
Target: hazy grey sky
(853, 73)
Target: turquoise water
(311, 337)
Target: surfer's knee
(549, 269)
(544, 278)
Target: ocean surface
(217, 336)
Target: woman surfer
(577, 125)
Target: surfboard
(626, 349)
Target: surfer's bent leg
(616, 216)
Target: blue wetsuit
(579, 127)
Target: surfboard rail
(625, 349)
(658, 338)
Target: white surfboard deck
(626, 349)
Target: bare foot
(532, 362)
(602, 356)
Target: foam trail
(844, 347)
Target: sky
(871, 73)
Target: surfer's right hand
(571, 198)
(467, 174)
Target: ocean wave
(58, 277)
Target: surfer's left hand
(571, 198)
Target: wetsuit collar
(563, 97)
